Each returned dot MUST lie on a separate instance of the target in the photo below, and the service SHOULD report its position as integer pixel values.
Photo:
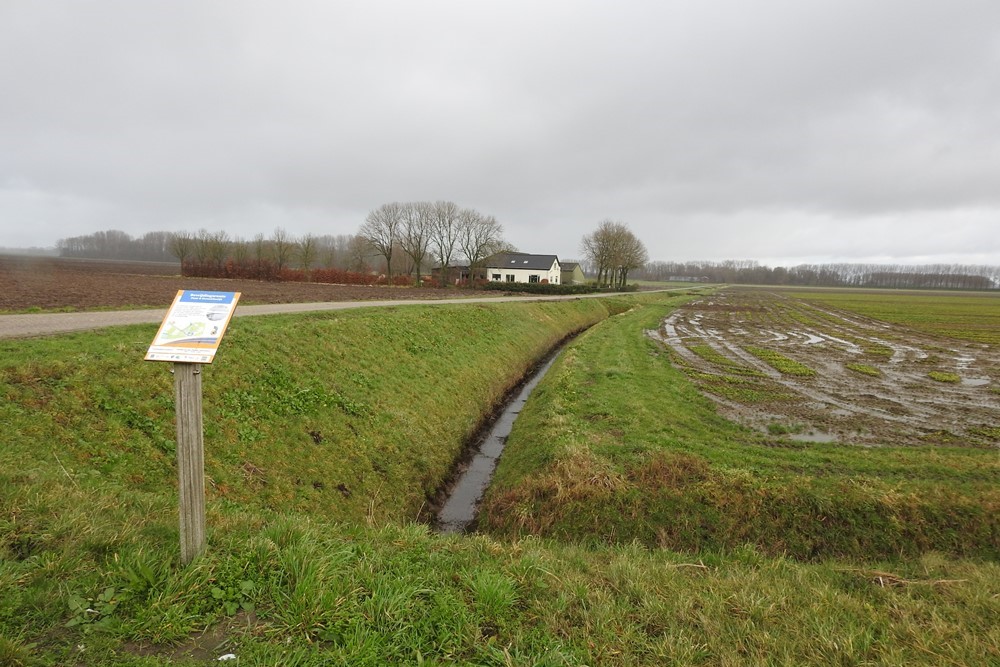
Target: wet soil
(898, 403)
(52, 283)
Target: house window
(532, 279)
(510, 277)
(496, 277)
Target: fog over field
(781, 131)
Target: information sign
(193, 327)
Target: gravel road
(42, 324)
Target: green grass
(713, 356)
(780, 362)
(864, 369)
(324, 594)
(300, 572)
(965, 316)
(945, 376)
(620, 447)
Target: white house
(519, 267)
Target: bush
(539, 288)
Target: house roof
(568, 266)
(521, 260)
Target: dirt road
(41, 324)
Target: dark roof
(521, 260)
(568, 266)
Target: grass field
(964, 316)
(328, 434)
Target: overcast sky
(782, 131)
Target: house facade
(519, 267)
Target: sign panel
(193, 327)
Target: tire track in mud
(900, 404)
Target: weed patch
(864, 369)
(780, 362)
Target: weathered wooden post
(190, 459)
(189, 337)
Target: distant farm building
(572, 274)
(519, 267)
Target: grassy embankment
(618, 447)
(324, 435)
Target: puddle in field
(871, 385)
(458, 513)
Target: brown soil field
(865, 382)
(50, 283)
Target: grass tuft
(945, 376)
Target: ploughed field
(819, 366)
(55, 283)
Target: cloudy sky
(785, 131)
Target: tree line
(401, 240)
(440, 232)
(893, 276)
(115, 244)
(214, 253)
(396, 244)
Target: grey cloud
(715, 129)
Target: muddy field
(48, 283)
(810, 372)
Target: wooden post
(190, 459)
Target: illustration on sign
(193, 327)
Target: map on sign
(193, 327)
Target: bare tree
(415, 236)
(631, 254)
(479, 237)
(181, 246)
(382, 230)
(240, 251)
(597, 247)
(614, 250)
(282, 246)
(359, 251)
(260, 251)
(444, 235)
(308, 248)
(202, 245)
(218, 248)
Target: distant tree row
(438, 232)
(114, 244)
(929, 276)
(278, 257)
(216, 253)
(612, 250)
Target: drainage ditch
(458, 513)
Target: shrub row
(269, 271)
(538, 288)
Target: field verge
(617, 445)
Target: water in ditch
(458, 513)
